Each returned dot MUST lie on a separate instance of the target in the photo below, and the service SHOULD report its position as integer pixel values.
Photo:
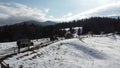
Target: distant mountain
(46, 23)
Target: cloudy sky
(15, 11)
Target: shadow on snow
(90, 51)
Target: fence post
(14, 50)
(4, 65)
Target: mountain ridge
(46, 23)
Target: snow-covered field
(92, 52)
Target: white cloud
(112, 9)
(105, 10)
(47, 10)
(3, 16)
(15, 13)
(18, 13)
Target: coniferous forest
(96, 25)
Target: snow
(91, 52)
(4, 46)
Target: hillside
(92, 52)
(95, 25)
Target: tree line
(95, 25)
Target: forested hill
(95, 25)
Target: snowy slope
(93, 52)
